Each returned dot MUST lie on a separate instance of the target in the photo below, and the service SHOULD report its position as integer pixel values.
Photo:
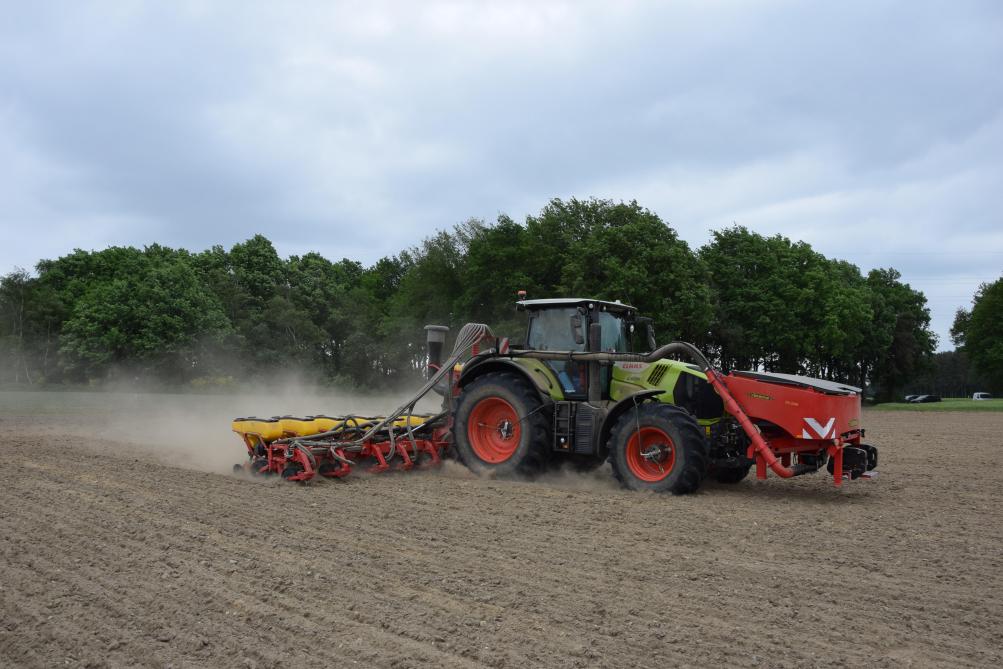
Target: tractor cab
(579, 325)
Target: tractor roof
(573, 302)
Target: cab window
(614, 333)
(550, 330)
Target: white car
(982, 396)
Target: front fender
(622, 407)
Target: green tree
(372, 353)
(979, 333)
(901, 344)
(836, 315)
(283, 337)
(950, 375)
(14, 295)
(781, 305)
(609, 250)
(155, 321)
(496, 268)
(321, 291)
(258, 271)
(216, 272)
(764, 299)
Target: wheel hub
(506, 429)
(657, 453)
(650, 454)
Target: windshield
(614, 333)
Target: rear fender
(542, 381)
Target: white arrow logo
(821, 430)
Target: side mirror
(576, 329)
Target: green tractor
(547, 402)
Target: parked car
(924, 399)
(910, 398)
(982, 396)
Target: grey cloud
(872, 130)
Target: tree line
(748, 300)
(978, 334)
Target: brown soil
(110, 557)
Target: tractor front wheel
(500, 426)
(658, 447)
(731, 474)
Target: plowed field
(124, 541)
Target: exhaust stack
(435, 340)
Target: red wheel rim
(651, 455)
(493, 430)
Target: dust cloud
(567, 477)
(193, 431)
(186, 430)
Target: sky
(871, 130)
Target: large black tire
(502, 427)
(676, 451)
(291, 470)
(731, 474)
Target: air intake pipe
(676, 347)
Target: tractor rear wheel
(500, 426)
(658, 447)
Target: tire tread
(538, 454)
(695, 460)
